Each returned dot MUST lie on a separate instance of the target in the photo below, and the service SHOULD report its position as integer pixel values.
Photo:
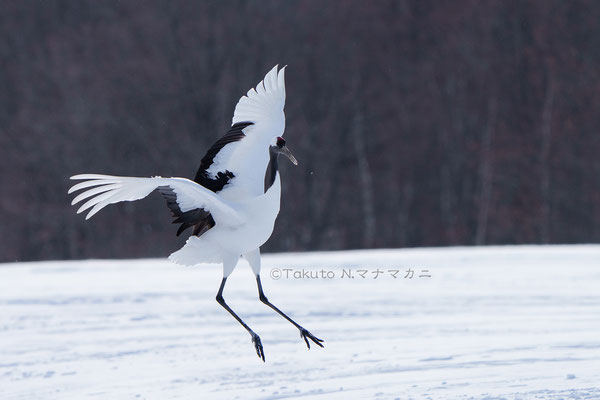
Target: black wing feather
(200, 219)
(222, 177)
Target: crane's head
(278, 147)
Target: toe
(307, 335)
(259, 347)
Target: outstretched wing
(235, 165)
(186, 199)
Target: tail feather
(196, 251)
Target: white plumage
(248, 159)
(232, 203)
(114, 189)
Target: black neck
(271, 169)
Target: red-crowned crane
(233, 201)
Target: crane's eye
(280, 141)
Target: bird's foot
(258, 346)
(307, 335)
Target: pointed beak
(289, 155)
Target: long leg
(303, 332)
(255, 338)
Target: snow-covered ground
(489, 323)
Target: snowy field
(489, 323)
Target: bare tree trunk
(545, 153)
(451, 96)
(485, 174)
(366, 181)
(408, 192)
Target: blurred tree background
(416, 123)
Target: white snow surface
(509, 322)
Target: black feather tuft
(221, 179)
(198, 218)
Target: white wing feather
(264, 104)
(247, 159)
(106, 189)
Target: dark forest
(415, 123)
